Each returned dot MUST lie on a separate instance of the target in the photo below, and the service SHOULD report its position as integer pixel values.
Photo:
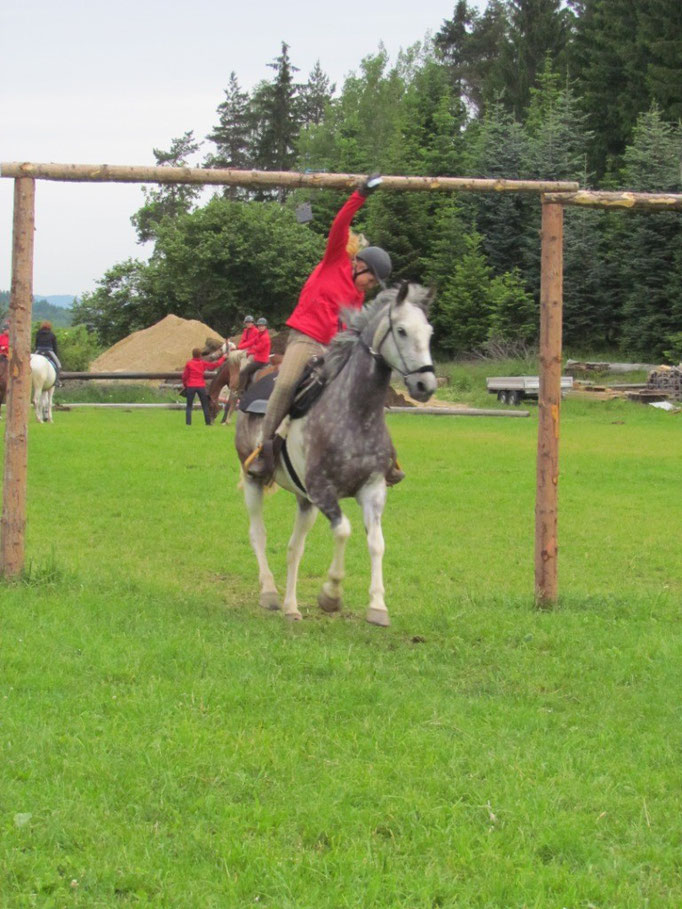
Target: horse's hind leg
(38, 404)
(253, 496)
(305, 518)
(372, 499)
(49, 405)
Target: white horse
(43, 379)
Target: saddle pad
(255, 399)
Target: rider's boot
(394, 474)
(263, 466)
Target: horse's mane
(357, 320)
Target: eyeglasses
(365, 271)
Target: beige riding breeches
(300, 348)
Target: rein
(379, 358)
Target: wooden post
(13, 523)
(551, 287)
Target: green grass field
(164, 742)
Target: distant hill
(63, 300)
(56, 308)
(58, 315)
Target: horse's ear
(429, 298)
(402, 292)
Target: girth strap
(291, 470)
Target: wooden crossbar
(114, 173)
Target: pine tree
(461, 315)
(232, 135)
(650, 253)
(537, 28)
(469, 44)
(314, 97)
(275, 106)
(661, 31)
(501, 150)
(610, 66)
(172, 199)
(514, 314)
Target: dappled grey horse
(342, 448)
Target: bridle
(379, 358)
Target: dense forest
(589, 90)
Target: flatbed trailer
(513, 389)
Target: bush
(674, 355)
(77, 348)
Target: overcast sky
(95, 83)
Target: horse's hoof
(378, 617)
(293, 616)
(269, 600)
(327, 603)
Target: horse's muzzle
(421, 385)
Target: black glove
(372, 183)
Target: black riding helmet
(378, 261)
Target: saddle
(49, 355)
(310, 386)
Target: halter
(376, 353)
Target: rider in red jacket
(248, 335)
(259, 355)
(340, 280)
(4, 341)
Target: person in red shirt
(195, 383)
(259, 355)
(249, 333)
(340, 280)
(4, 340)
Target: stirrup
(395, 474)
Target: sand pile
(163, 347)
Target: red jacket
(330, 287)
(4, 343)
(247, 338)
(193, 373)
(260, 347)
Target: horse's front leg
(305, 518)
(372, 499)
(230, 407)
(330, 597)
(253, 496)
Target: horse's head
(402, 337)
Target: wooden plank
(459, 411)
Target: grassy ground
(166, 743)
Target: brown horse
(3, 379)
(228, 375)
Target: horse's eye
(402, 332)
